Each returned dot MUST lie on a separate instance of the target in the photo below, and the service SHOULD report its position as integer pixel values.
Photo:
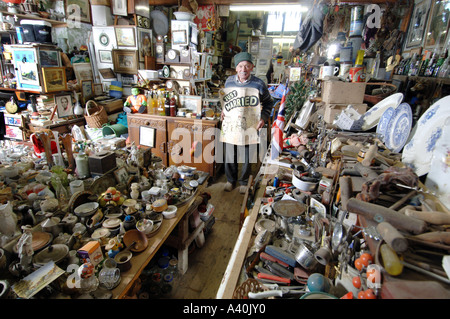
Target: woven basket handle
(88, 106)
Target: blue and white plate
(398, 128)
(372, 116)
(384, 123)
(418, 152)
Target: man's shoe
(228, 187)
(242, 189)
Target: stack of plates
(373, 116)
(394, 126)
(418, 152)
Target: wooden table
(140, 260)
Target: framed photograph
(86, 90)
(125, 61)
(49, 58)
(83, 71)
(438, 23)
(121, 175)
(147, 136)
(417, 24)
(179, 37)
(98, 89)
(78, 8)
(194, 35)
(119, 7)
(105, 56)
(191, 102)
(64, 105)
(54, 79)
(125, 36)
(144, 43)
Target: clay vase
(8, 220)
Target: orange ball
(366, 259)
(361, 295)
(358, 264)
(368, 294)
(356, 282)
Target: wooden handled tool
(370, 155)
(432, 217)
(345, 184)
(381, 213)
(392, 237)
(442, 237)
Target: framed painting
(83, 71)
(179, 37)
(417, 24)
(119, 8)
(105, 56)
(125, 36)
(144, 43)
(126, 61)
(64, 105)
(78, 10)
(86, 90)
(438, 24)
(191, 102)
(98, 89)
(54, 79)
(27, 73)
(49, 58)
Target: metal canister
(356, 21)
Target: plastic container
(37, 31)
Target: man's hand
(260, 124)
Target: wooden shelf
(54, 23)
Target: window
(283, 23)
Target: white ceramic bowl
(184, 16)
(170, 212)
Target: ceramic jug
(8, 220)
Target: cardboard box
(338, 92)
(332, 110)
(91, 252)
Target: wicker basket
(250, 285)
(95, 115)
(387, 88)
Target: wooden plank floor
(208, 263)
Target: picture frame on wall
(125, 36)
(125, 61)
(98, 89)
(105, 56)
(54, 79)
(417, 24)
(64, 105)
(191, 102)
(78, 9)
(119, 7)
(144, 43)
(438, 23)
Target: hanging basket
(95, 115)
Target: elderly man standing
(244, 79)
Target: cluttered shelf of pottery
(54, 23)
(140, 260)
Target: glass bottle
(155, 103)
(412, 64)
(150, 109)
(173, 105)
(167, 105)
(161, 110)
